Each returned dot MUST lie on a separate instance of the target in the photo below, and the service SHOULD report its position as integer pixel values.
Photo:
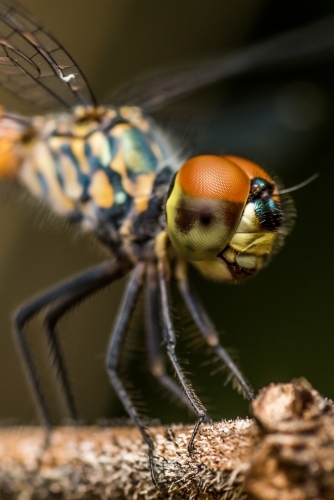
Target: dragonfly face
(224, 213)
(109, 170)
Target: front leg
(169, 334)
(207, 329)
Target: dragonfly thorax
(103, 168)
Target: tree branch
(285, 453)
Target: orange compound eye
(205, 205)
(251, 169)
(215, 177)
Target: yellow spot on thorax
(78, 149)
(101, 190)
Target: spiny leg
(170, 340)
(118, 337)
(53, 316)
(107, 271)
(207, 329)
(156, 361)
(51, 319)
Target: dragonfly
(109, 170)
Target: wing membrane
(34, 66)
(156, 90)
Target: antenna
(298, 186)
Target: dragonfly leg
(156, 361)
(118, 337)
(170, 340)
(94, 283)
(207, 329)
(106, 272)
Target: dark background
(279, 322)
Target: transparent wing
(34, 66)
(156, 90)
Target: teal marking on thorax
(138, 155)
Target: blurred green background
(280, 322)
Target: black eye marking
(184, 218)
(187, 216)
(205, 218)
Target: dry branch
(285, 453)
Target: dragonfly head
(224, 215)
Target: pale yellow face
(223, 215)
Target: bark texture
(285, 453)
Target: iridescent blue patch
(267, 210)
